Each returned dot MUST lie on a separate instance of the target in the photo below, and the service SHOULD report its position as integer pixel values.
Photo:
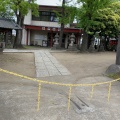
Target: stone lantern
(56, 41)
(72, 45)
(72, 39)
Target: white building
(42, 29)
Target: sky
(50, 2)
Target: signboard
(53, 29)
(48, 28)
(43, 28)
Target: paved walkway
(46, 65)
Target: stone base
(1, 49)
(91, 49)
(101, 49)
(72, 48)
(112, 69)
(55, 47)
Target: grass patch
(31, 47)
(34, 47)
(114, 76)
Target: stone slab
(53, 73)
(41, 73)
(47, 65)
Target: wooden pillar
(5, 37)
(51, 41)
(10, 34)
(27, 37)
(77, 36)
(66, 41)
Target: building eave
(54, 29)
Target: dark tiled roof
(8, 24)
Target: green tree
(20, 9)
(96, 16)
(108, 26)
(5, 11)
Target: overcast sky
(50, 2)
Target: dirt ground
(86, 64)
(21, 63)
(18, 97)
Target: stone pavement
(46, 65)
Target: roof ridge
(7, 19)
(8, 23)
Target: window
(52, 13)
(45, 13)
(46, 16)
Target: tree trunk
(118, 52)
(84, 46)
(106, 41)
(61, 35)
(18, 39)
(62, 24)
(17, 42)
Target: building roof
(8, 24)
(49, 8)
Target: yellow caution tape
(39, 89)
(55, 83)
(92, 90)
(109, 91)
(62, 84)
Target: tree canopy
(99, 16)
(5, 10)
(18, 9)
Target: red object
(67, 30)
(113, 42)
